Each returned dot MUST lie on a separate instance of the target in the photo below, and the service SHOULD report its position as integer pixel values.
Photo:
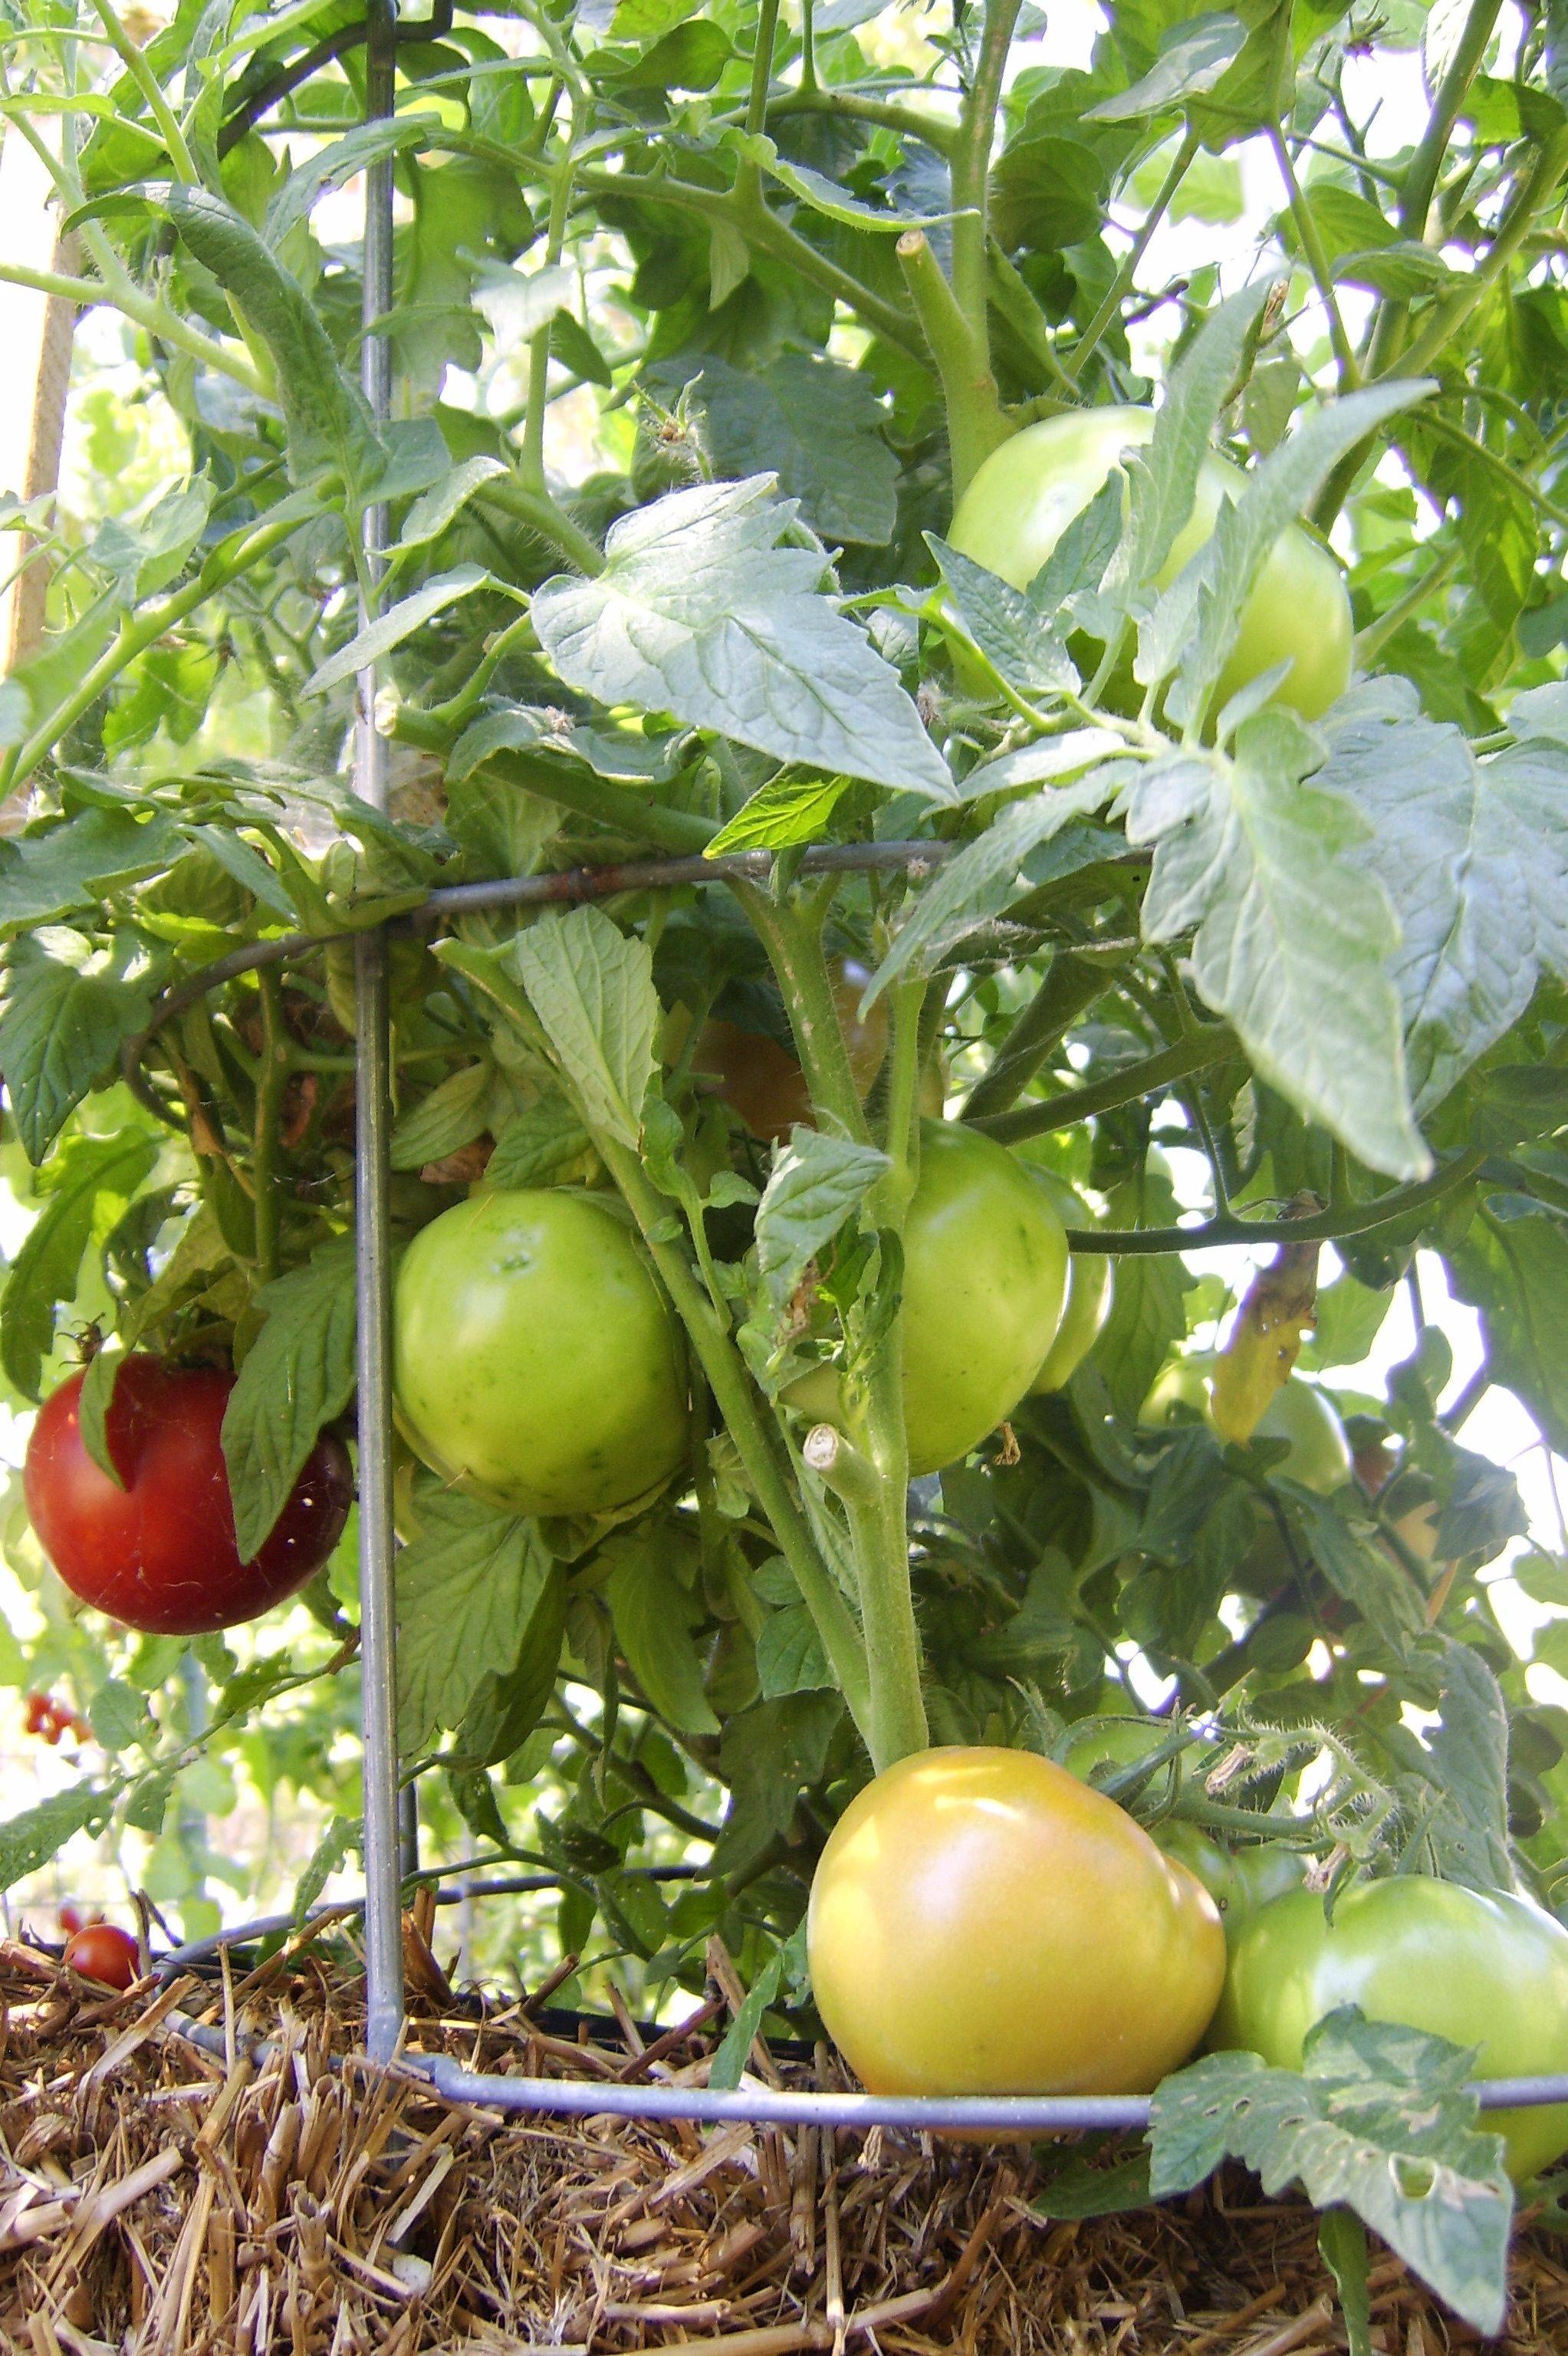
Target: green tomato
(1029, 491)
(1488, 1973)
(985, 1275)
(536, 1360)
(1090, 1288)
(1239, 1881)
(1317, 1452)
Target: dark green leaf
(67, 1009)
(297, 1376)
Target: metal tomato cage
(390, 1829)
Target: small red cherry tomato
(101, 1951)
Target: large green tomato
(981, 1922)
(1317, 1452)
(1090, 1288)
(1488, 1973)
(1029, 491)
(536, 1361)
(985, 1274)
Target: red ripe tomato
(72, 1919)
(102, 1953)
(160, 1553)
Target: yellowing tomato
(1026, 493)
(536, 1360)
(981, 1922)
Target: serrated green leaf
(468, 1585)
(592, 987)
(653, 1616)
(61, 869)
(1292, 929)
(68, 1008)
(541, 1147)
(451, 1117)
(434, 510)
(31, 1839)
(90, 1183)
(785, 811)
(297, 1376)
(817, 1182)
(984, 876)
(1378, 2121)
(701, 612)
(390, 628)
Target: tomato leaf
(329, 421)
(67, 1009)
(1469, 1755)
(87, 1188)
(539, 1147)
(1017, 636)
(1515, 1272)
(451, 1117)
(816, 1181)
(390, 628)
(297, 1376)
(984, 876)
(1292, 928)
(342, 1834)
(1378, 2121)
(1226, 568)
(62, 868)
(592, 987)
(31, 1839)
(700, 612)
(653, 1616)
(788, 1962)
(786, 810)
(1475, 857)
(93, 1402)
(790, 1657)
(1163, 476)
(815, 424)
(468, 1583)
(767, 1754)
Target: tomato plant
(760, 589)
(1487, 1972)
(959, 1886)
(101, 1951)
(155, 1546)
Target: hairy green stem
(1090, 340)
(146, 81)
(749, 178)
(1312, 246)
(543, 515)
(792, 936)
(159, 321)
(1370, 642)
(1072, 984)
(976, 426)
(1316, 1227)
(1196, 1052)
(970, 176)
(851, 107)
(136, 633)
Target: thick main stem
(976, 426)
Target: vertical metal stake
(378, 1634)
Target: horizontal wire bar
(978, 2114)
(267, 1926)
